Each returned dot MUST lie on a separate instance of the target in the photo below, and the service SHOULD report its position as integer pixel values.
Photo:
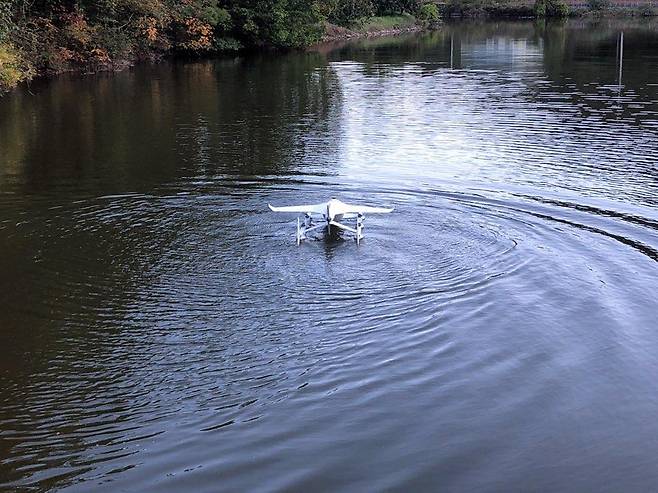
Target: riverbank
(45, 43)
(14, 69)
(527, 9)
(373, 27)
(74, 47)
(46, 38)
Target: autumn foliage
(58, 35)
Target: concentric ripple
(161, 330)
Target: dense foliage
(57, 35)
(551, 8)
(478, 8)
(429, 13)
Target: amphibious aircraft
(328, 214)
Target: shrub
(558, 8)
(77, 31)
(6, 24)
(598, 5)
(647, 10)
(345, 11)
(551, 8)
(217, 17)
(116, 42)
(227, 44)
(540, 8)
(476, 8)
(392, 7)
(429, 13)
(193, 34)
(13, 68)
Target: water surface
(160, 330)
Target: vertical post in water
(451, 51)
(621, 56)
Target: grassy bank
(374, 26)
(384, 23)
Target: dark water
(160, 330)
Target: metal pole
(451, 51)
(621, 56)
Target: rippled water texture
(161, 331)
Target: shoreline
(373, 28)
(335, 33)
(349, 34)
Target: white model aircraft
(328, 214)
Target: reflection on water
(161, 331)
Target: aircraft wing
(375, 210)
(302, 209)
(363, 209)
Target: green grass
(384, 23)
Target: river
(161, 330)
